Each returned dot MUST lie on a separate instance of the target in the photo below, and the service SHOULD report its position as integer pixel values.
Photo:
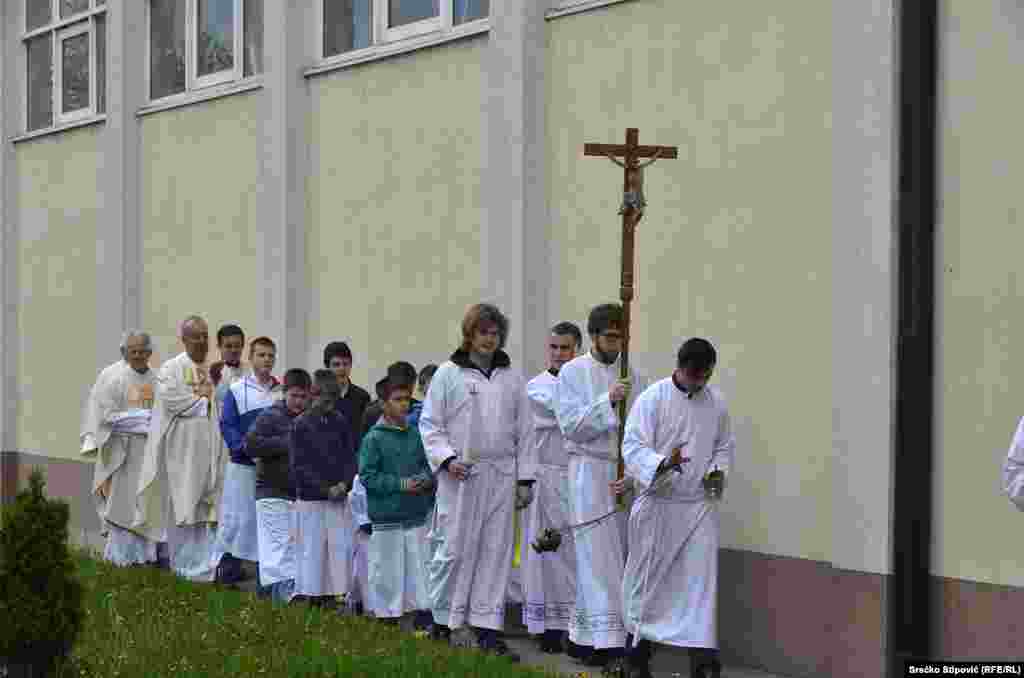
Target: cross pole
(632, 211)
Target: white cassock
(1013, 468)
(323, 533)
(182, 474)
(237, 530)
(474, 419)
(360, 542)
(590, 424)
(549, 578)
(671, 580)
(115, 424)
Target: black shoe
(598, 658)
(492, 644)
(617, 667)
(551, 642)
(704, 663)
(229, 570)
(440, 632)
(578, 652)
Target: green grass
(145, 622)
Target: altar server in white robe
(470, 428)
(671, 582)
(362, 530)
(549, 578)
(587, 394)
(246, 398)
(180, 483)
(115, 426)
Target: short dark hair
(481, 314)
(325, 379)
(226, 331)
(297, 378)
(336, 349)
(604, 316)
(696, 353)
(567, 328)
(426, 374)
(402, 371)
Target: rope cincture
(551, 539)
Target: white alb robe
(589, 424)
(182, 475)
(276, 539)
(397, 580)
(1013, 468)
(549, 579)
(671, 579)
(323, 531)
(357, 505)
(115, 424)
(476, 420)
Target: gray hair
(135, 333)
(187, 323)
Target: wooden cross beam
(632, 210)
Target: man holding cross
(587, 396)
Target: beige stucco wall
(59, 205)
(736, 243)
(980, 364)
(200, 168)
(394, 206)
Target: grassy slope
(144, 622)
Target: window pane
(69, 7)
(37, 13)
(167, 48)
(40, 81)
(101, 64)
(253, 37)
(469, 10)
(401, 12)
(215, 39)
(74, 73)
(346, 25)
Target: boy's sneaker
(492, 644)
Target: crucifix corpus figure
(632, 211)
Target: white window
(198, 43)
(350, 25)
(65, 60)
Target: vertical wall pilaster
(281, 216)
(514, 248)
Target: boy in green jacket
(399, 491)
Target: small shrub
(40, 595)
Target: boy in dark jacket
(268, 442)
(323, 464)
(399, 491)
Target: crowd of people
(420, 507)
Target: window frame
(83, 22)
(382, 37)
(195, 83)
(59, 116)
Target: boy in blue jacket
(399, 490)
(244, 401)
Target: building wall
(394, 207)
(735, 245)
(59, 206)
(200, 168)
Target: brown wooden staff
(632, 211)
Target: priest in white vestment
(549, 578)
(671, 582)
(470, 427)
(587, 394)
(1013, 468)
(115, 425)
(181, 479)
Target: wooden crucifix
(632, 211)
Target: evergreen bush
(40, 595)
